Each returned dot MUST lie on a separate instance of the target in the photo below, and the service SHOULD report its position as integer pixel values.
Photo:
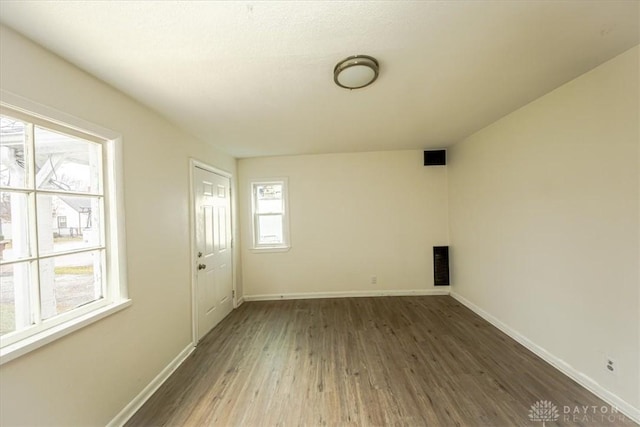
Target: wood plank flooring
(362, 361)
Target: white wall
(545, 221)
(87, 377)
(352, 216)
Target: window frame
(115, 294)
(264, 247)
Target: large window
(59, 264)
(269, 209)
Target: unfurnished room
(332, 213)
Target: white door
(213, 263)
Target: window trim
(280, 247)
(116, 296)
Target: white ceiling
(256, 78)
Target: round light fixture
(356, 71)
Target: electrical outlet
(374, 280)
(611, 365)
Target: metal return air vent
(441, 265)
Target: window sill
(33, 342)
(268, 249)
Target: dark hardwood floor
(362, 361)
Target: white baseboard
(346, 294)
(579, 377)
(137, 402)
(239, 302)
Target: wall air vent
(441, 265)
(435, 158)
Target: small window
(60, 260)
(270, 222)
(62, 222)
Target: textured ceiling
(255, 78)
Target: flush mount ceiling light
(356, 71)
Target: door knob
(201, 266)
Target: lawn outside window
(62, 261)
(269, 206)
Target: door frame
(193, 164)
